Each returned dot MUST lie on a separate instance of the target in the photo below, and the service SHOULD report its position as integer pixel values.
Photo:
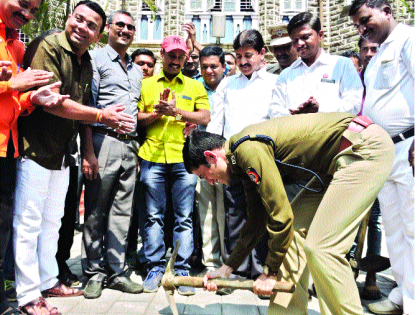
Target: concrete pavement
(202, 303)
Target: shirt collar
(323, 58)
(180, 77)
(113, 55)
(64, 42)
(394, 35)
(256, 74)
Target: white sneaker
(385, 307)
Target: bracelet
(100, 116)
(97, 115)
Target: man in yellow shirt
(168, 100)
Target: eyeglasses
(80, 19)
(120, 26)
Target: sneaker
(385, 307)
(184, 290)
(152, 281)
(10, 290)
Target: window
(294, 5)
(195, 4)
(246, 6)
(230, 6)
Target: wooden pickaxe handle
(237, 284)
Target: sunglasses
(120, 26)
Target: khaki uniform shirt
(46, 138)
(310, 141)
(274, 68)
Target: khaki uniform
(317, 229)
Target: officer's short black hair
(249, 38)
(213, 51)
(357, 4)
(196, 144)
(304, 18)
(94, 7)
(351, 54)
(143, 51)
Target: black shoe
(93, 289)
(125, 284)
(66, 277)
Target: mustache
(245, 65)
(21, 16)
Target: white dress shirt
(389, 80)
(332, 80)
(240, 102)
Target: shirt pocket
(185, 102)
(387, 75)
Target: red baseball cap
(174, 42)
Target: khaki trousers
(211, 212)
(326, 224)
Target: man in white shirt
(239, 101)
(317, 81)
(389, 102)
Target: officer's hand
(411, 156)
(46, 97)
(264, 284)
(222, 272)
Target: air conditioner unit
(219, 22)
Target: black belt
(404, 135)
(112, 134)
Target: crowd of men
(255, 137)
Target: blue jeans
(156, 177)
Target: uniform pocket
(387, 75)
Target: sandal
(56, 291)
(12, 311)
(40, 304)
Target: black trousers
(71, 208)
(235, 211)
(7, 187)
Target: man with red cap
(168, 101)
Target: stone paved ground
(202, 303)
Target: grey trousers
(108, 207)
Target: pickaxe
(373, 263)
(170, 282)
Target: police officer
(351, 158)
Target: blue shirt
(210, 94)
(113, 84)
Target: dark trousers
(7, 186)
(71, 208)
(235, 210)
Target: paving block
(125, 307)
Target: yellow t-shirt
(164, 137)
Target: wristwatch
(268, 272)
(178, 116)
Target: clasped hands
(263, 285)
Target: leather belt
(113, 134)
(404, 135)
(358, 124)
